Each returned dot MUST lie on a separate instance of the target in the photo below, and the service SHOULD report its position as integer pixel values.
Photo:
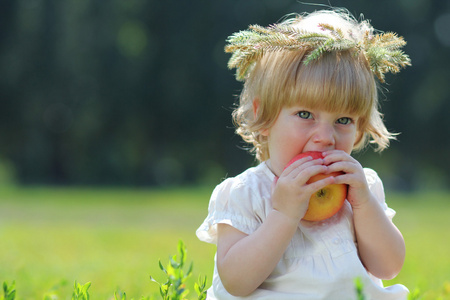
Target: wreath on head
(382, 51)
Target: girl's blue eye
(344, 121)
(304, 114)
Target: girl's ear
(256, 103)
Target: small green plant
(9, 292)
(200, 287)
(80, 292)
(175, 286)
(359, 289)
(414, 295)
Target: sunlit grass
(115, 237)
(424, 221)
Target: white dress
(321, 261)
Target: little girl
(309, 86)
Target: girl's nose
(324, 135)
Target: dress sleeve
(376, 187)
(231, 203)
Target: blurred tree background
(136, 92)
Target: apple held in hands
(327, 201)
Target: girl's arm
(380, 244)
(245, 261)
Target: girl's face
(298, 129)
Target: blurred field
(115, 237)
(424, 220)
(111, 237)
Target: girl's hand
(380, 244)
(354, 177)
(292, 193)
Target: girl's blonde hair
(338, 81)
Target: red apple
(326, 202)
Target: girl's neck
(269, 165)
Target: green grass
(115, 237)
(424, 222)
(111, 237)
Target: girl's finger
(301, 175)
(335, 156)
(300, 165)
(344, 166)
(320, 184)
(311, 171)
